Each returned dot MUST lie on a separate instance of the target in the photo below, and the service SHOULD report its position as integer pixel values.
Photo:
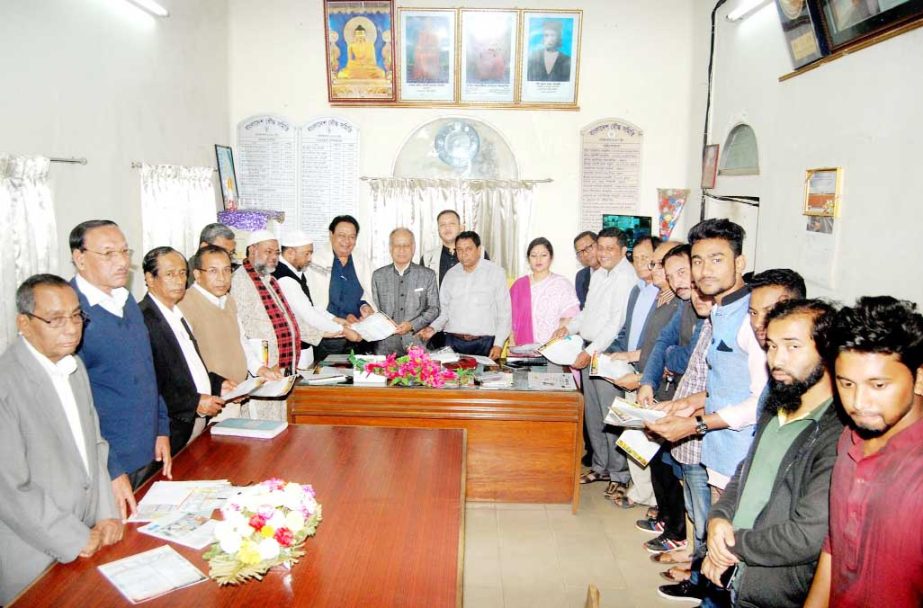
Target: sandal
(673, 557)
(653, 512)
(614, 488)
(622, 501)
(593, 476)
(677, 575)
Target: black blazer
(174, 380)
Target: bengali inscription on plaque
(610, 171)
(267, 166)
(329, 173)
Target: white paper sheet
(166, 498)
(629, 415)
(375, 327)
(562, 351)
(636, 444)
(147, 575)
(606, 367)
(188, 529)
(551, 381)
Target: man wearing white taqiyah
(297, 250)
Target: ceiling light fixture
(745, 9)
(151, 7)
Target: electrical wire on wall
(711, 65)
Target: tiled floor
(539, 556)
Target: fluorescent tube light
(150, 6)
(745, 9)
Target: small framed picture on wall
(227, 176)
(488, 56)
(427, 51)
(551, 57)
(709, 166)
(360, 50)
(822, 192)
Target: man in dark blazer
(549, 63)
(57, 502)
(406, 292)
(188, 388)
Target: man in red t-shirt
(873, 554)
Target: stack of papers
(551, 381)
(166, 499)
(629, 415)
(375, 327)
(247, 427)
(332, 376)
(495, 380)
(605, 366)
(524, 351)
(187, 529)
(562, 351)
(151, 574)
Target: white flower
(276, 520)
(224, 529)
(294, 488)
(294, 521)
(234, 518)
(230, 544)
(268, 548)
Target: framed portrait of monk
(426, 39)
(360, 51)
(488, 56)
(550, 52)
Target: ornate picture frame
(710, 166)
(822, 189)
(227, 176)
(488, 56)
(360, 51)
(550, 57)
(427, 50)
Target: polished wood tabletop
(392, 533)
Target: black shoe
(684, 591)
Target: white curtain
(28, 226)
(176, 203)
(500, 211)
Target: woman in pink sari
(541, 299)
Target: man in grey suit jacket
(56, 500)
(406, 292)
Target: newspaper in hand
(377, 326)
(637, 445)
(629, 415)
(605, 366)
(562, 351)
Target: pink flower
(257, 522)
(274, 483)
(284, 537)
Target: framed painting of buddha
(360, 51)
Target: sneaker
(663, 544)
(684, 591)
(649, 525)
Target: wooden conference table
(523, 445)
(392, 534)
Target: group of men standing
(100, 391)
(788, 424)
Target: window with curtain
(740, 154)
(28, 224)
(176, 203)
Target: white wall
(637, 65)
(101, 80)
(861, 112)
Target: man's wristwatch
(700, 427)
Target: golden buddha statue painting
(361, 64)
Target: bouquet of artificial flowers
(416, 367)
(263, 526)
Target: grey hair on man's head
(25, 294)
(215, 231)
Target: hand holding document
(637, 445)
(377, 326)
(562, 351)
(262, 388)
(605, 366)
(629, 415)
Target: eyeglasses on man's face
(655, 265)
(113, 254)
(586, 249)
(78, 318)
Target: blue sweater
(117, 355)
(668, 353)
